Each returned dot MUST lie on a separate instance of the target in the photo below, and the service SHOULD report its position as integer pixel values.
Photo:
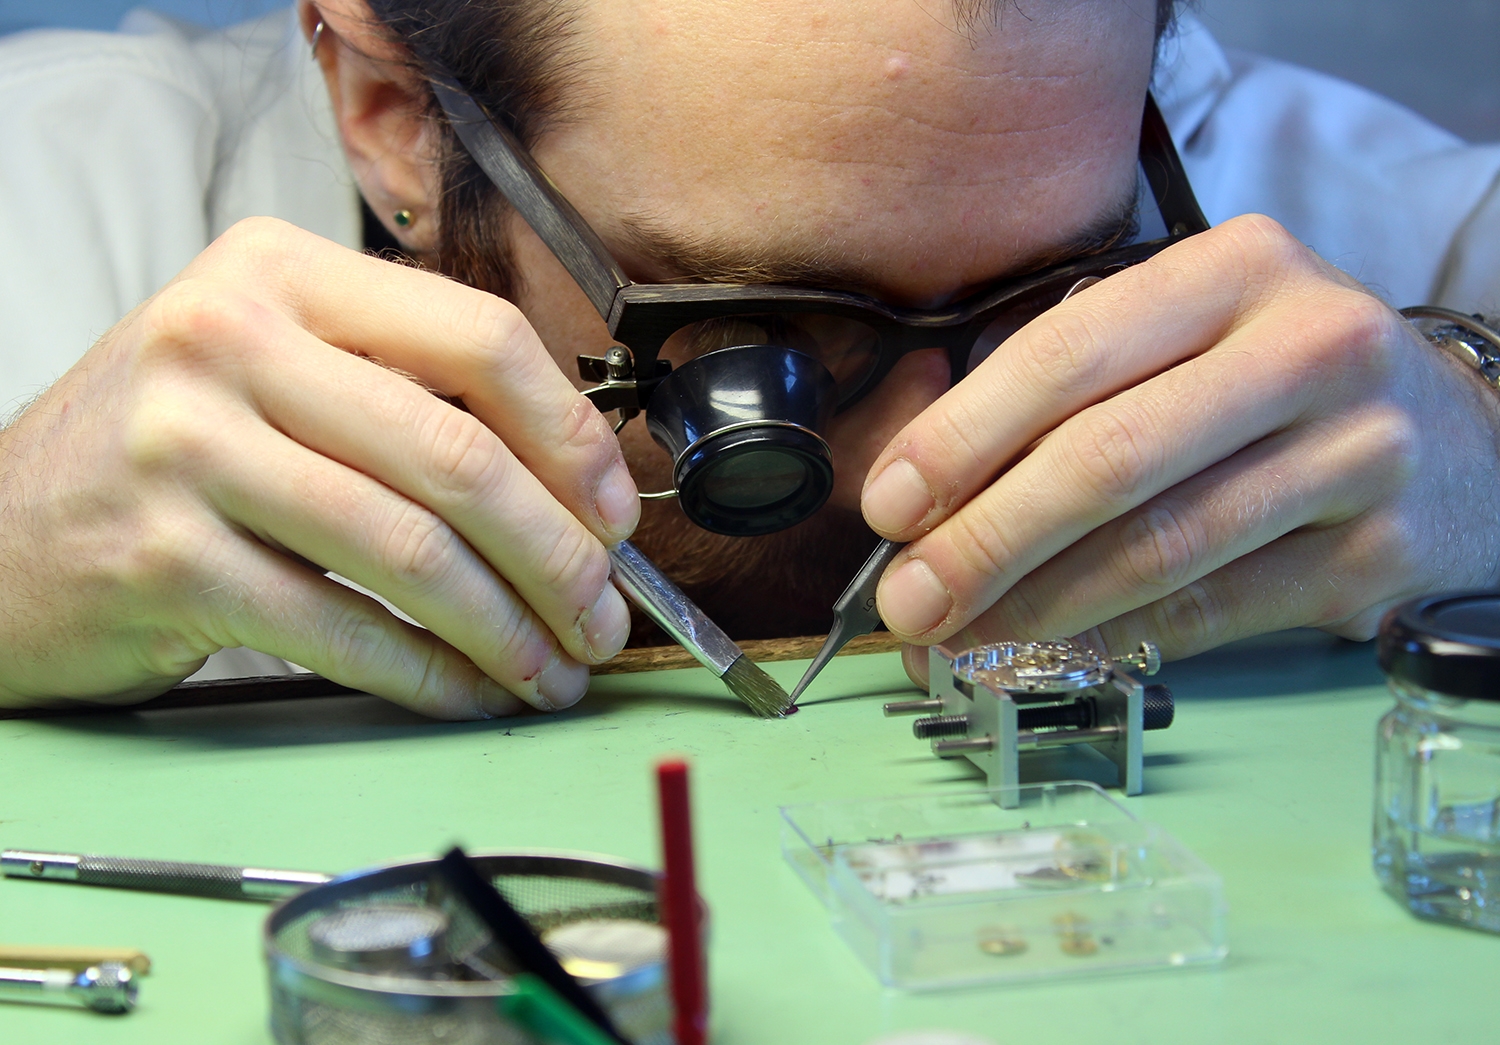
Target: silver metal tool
(991, 703)
(854, 613)
(109, 987)
(159, 876)
(661, 600)
(338, 995)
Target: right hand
(164, 498)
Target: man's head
(909, 150)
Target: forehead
(874, 136)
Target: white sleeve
(107, 148)
(1368, 184)
(1470, 279)
(1397, 202)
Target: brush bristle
(758, 690)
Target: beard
(775, 586)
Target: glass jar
(1437, 759)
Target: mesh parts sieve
(450, 999)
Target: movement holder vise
(991, 703)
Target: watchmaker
(1231, 435)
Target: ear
(380, 106)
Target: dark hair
(519, 59)
(516, 58)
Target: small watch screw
(1002, 944)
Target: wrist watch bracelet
(1472, 339)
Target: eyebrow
(696, 259)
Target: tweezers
(854, 613)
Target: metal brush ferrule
(665, 603)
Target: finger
(1118, 454)
(454, 466)
(367, 532)
(1336, 578)
(263, 601)
(461, 341)
(1109, 337)
(1322, 475)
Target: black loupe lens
(753, 479)
(743, 427)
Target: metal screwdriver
(108, 987)
(159, 876)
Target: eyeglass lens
(848, 348)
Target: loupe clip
(619, 388)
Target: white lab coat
(122, 155)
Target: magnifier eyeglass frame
(643, 317)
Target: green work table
(1266, 774)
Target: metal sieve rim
(363, 990)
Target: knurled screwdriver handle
(166, 876)
(218, 881)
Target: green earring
(403, 218)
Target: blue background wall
(1441, 57)
(105, 14)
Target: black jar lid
(1446, 643)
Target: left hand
(1231, 438)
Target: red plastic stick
(680, 905)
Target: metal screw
(1001, 942)
(619, 361)
(38, 868)
(940, 726)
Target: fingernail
(607, 626)
(495, 701)
(912, 600)
(561, 684)
(898, 498)
(617, 501)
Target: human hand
(163, 500)
(1229, 439)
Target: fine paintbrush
(664, 602)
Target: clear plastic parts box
(956, 890)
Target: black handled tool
(516, 935)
